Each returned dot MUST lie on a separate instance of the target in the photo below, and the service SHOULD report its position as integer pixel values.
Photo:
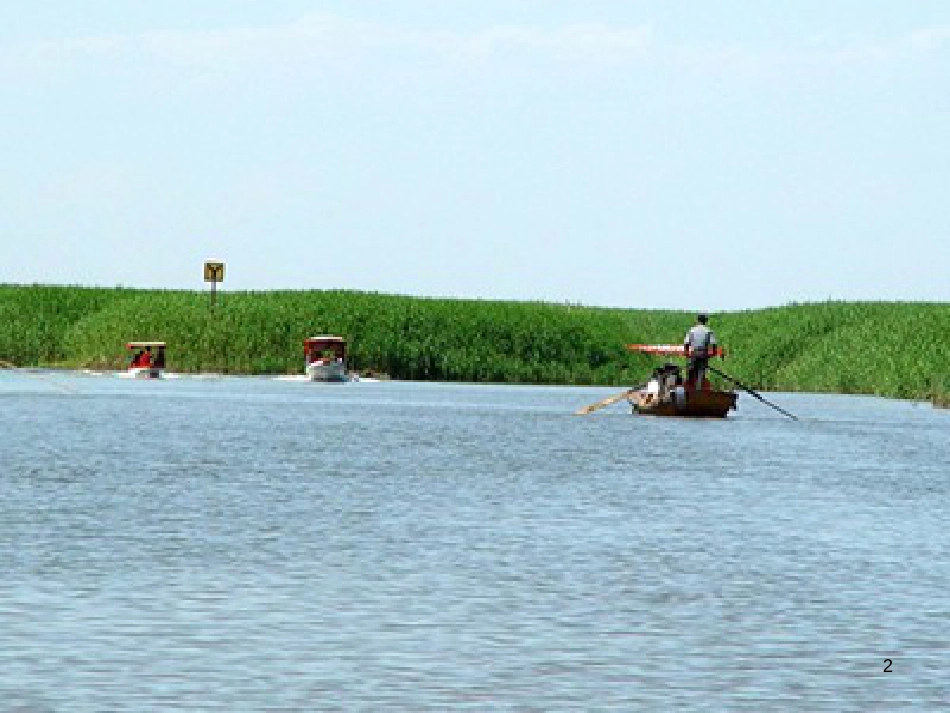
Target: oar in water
(753, 392)
(606, 402)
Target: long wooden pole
(606, 402)
(753, 392)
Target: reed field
(941, 391)
(888, 349)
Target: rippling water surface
(255, 544)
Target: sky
(706, 155)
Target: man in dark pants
(700, 344)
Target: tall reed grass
(941, 391)
(890, 349)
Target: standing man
(700, 344)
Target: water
(252, 544)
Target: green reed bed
(407, 338)
(889, 349)
(941, 391)
(33, 319)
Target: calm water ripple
(244, 544)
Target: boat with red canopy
(146, 359)
(667, 393)
(325, 358)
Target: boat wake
(304, 378)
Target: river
(250, 544)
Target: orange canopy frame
(142, 345)
(670, 350)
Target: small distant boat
(325, 358)
(146, 360)
(668, 394)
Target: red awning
(667, 349)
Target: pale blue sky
(715, 155)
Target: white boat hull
(334, 371)
(145, 372)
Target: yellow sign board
(214, 272)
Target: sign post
(214, 273)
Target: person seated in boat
(662, 382)
(700, 343)
(654, 386)
(145, 360)
(672, 376)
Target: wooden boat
(325, 358)
(667, 394)
(685, 403)
(146, 360)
